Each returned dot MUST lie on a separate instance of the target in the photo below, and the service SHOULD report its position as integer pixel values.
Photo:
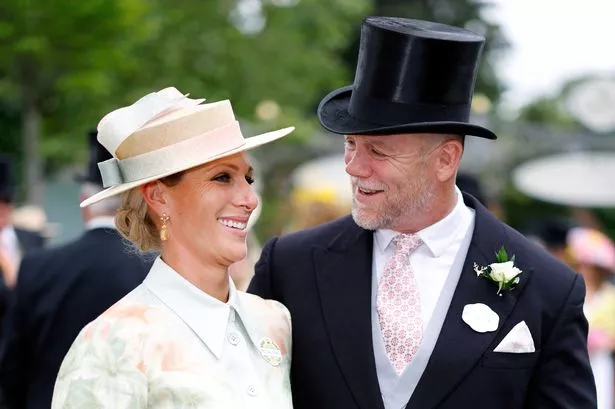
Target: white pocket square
(517, 341)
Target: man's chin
(364, 221)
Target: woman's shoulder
(270, 313)
(133, 313)
(264, 306)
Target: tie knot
(406, 243)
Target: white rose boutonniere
(503, 272)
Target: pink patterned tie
(398, 304)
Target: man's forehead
(388, 139)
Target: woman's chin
(236, 254)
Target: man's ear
(449, 159)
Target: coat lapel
(459, 347)
(344, 271)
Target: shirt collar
(8, 234)
(101, 222)
(207, 316)
(437, 237)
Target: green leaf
(501, 256)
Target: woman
(592, 254)
(185, 338)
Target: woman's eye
(223, 177)
(249, 179)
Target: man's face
(6, 208)
(391, 176)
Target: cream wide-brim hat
(165, 133)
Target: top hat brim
(334, 117)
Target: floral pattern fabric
(139, 354)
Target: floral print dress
(169, 345)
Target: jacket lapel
(343, 272)
(459, 347)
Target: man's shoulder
(85, 253)
(29, 240)
(549, 275)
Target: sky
(552, 41)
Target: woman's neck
(210, 278)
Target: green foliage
(501, 256)
(548, 110)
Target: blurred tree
(56, 58)
(548, 110)
(461, 13)
(67, 63)
(293, 58)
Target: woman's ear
(155, 195)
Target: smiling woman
(185, 336)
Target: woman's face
(209, 210)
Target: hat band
(389, 113)
(172, 158)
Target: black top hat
(412, 76)
(97, 154)
(7, 184)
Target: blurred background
(546, 86)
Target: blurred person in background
(185, 337)
(14, 241)
(34, 218)
(592, 254)
(59, 290)
(552, 234)
(313, 206)
(388, 309)
(471, 185)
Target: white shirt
(431, 261)
(10, 244)
(101, 222)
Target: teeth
(233, 224)
(367, 190)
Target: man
(14, 242)
(59, 291)
(388, 309)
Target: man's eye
(348, 144)
(377, 153)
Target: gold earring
(164, 232)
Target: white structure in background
(248, 15)
(592, 103)
(583, 179)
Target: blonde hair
(135, 223)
